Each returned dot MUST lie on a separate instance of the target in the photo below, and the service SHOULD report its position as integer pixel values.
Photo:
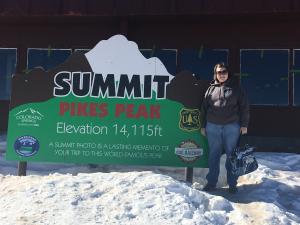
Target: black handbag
(242, 159)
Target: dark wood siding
(145, 7)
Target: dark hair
(221, 65)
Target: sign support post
(189, 174)
(22, 166)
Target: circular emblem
(188, 151)
(26, 146)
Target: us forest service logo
(188, 151)
(189, 119)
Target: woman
(224, 116)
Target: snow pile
(107, 198)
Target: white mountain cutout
(119, 56)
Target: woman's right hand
(203, 132)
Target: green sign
(109, 106)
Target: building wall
(165, 25)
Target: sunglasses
(222, 72)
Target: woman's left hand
(243, 130)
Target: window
(46, 58)
(8, 59)
(296, 75)
(82, 50)
(201, 62)
(167, 56)
(264, 75)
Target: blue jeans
(221, 137)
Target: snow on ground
(66, 194)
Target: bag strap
(241, 136)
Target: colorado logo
(189, 151)
(26, 146)
(29, 117)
